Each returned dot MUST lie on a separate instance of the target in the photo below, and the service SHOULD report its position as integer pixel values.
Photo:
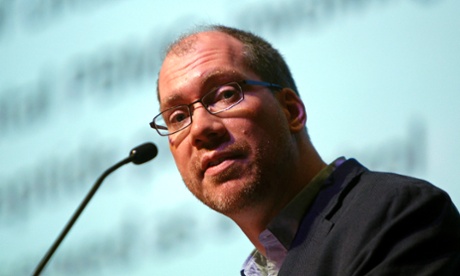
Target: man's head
(246, 156)
(258, 54)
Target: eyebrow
(169, 102)
(221, 76)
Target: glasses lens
(223, 98)
(179, 117)
(173, 119)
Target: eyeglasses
(222, 98)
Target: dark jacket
(369, 223)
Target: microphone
(143, 153)
(138, 155)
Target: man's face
(231, 160)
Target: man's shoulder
(373, 221)
(384, 184)
(381, 197)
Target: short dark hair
(259, 55)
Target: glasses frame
(160, 128)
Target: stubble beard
(255, 186)
(249, 192)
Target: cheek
(181, 155)
(261, 123)
(179, 146)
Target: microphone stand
(137, 156)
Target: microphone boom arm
(138, 155)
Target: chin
(232, 197)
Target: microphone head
(143, 153)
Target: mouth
(216, 163)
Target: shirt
(281, 231)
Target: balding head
(258, 55)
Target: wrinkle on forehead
(206, 45)
(211, 80)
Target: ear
(293, 108)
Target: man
(236, 128)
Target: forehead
(200, 62)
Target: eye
(226, 94)
(223, 97)
(177, 116)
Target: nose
(207, 130)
